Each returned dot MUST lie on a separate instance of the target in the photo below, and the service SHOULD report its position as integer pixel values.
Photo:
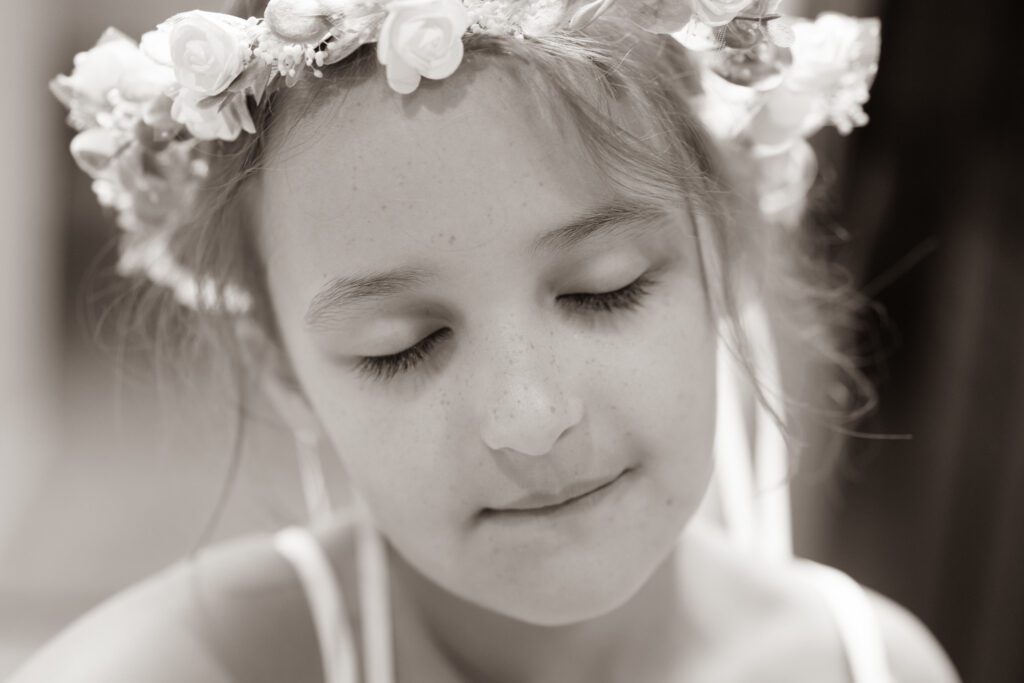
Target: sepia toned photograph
(512, 341)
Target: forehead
(373, 178)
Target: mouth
(573, 496)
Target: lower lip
(575, 506)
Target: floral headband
(142, 110)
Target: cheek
(403, 462)
(392, 453)
(400, 455)
(669, 397)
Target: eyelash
(628, 298)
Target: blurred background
(104, 479)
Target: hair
(612, 67)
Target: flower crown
(142, 110)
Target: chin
(574, 590)
(576, 584)
(558, 571)
(577, 566)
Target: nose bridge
(527, 402)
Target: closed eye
(628, 298)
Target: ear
(275, 377)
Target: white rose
(421, 38)
(831, 49)
(114, 63)
(835, 59)
(208, 50)
(98, 70)
(212, 123)
(156, 45)
(719, 12)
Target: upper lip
(544, 499)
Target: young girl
(512, 262)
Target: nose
(530, 407)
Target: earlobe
(275, 377)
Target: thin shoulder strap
(374, 599)
(326, 603)
(855, 620)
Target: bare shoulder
(772, 626)
(236, 612)
(915, 656)
(757, 625)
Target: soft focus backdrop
(105, 479)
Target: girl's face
(547, 335)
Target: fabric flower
(361, 25)
(225, 122)
(297, 21)
(834, 62)
(718, 12)
(98, 70)
(156, 44)
(520, 19)
(95, 148)
(654, 16)
(208, 50)
(832, 50)
(541, 17)
(115, 63)
(421, 38)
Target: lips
(541, 500)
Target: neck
(632, 642)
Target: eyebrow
(619, 219)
